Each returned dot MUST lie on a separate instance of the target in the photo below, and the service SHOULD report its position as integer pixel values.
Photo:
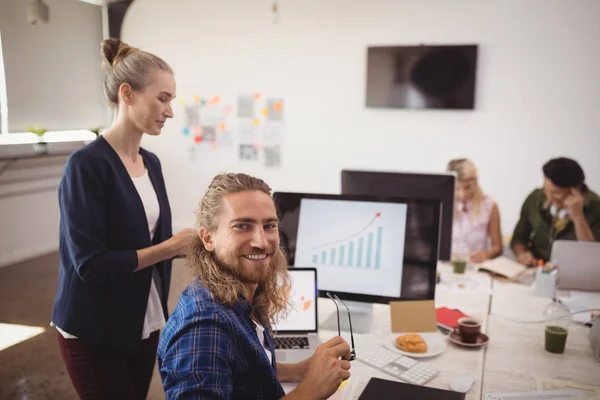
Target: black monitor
(422, 77)
(439, 187)
(345, 237)
(366, 249)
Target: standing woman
(476, 225)
(116, 243)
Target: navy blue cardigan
(102, 224)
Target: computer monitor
(366, 249)
(438, 187)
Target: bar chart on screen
(355, 245)
(359, 250)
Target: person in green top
(565, 208)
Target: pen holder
(545, 283)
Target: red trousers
(99, 373)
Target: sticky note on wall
(275, 109)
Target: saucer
(454, 337)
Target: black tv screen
(421, 77)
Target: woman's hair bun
(114, 50)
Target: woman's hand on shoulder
(180, 241)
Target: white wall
(538, 92)
(53, 71)
(54, 78)
(29, 207)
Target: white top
(154, 318)
(260, 332)
(469, 231)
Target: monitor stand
(361, 314)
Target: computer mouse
(461, 383)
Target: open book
(503, 266)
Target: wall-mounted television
(421, 77)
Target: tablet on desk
(383, 389)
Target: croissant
(412, 343)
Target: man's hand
(325, 370)
(527, 259)
(292, 372)
(574, 205)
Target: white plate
(435, 345)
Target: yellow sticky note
(343, 384)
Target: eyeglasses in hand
(335, 300)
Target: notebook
(503, 266)
(447, 318)
(383, 389)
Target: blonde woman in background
(476, 225)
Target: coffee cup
(469, 329)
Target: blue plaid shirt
(211, 351)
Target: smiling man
(217, 343)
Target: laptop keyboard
(291, 342)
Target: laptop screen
(302, 311)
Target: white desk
(452, 361)
(516, 354)
(511, 361)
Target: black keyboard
(291, 342)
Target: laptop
(578, 264)
(296, 335)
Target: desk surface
(454, 360)
(516, 356)
(512, 360)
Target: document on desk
(465, 283)
(503, 266)
(580, 301)
(356, 387)
(542, 395)
(556, 384)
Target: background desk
(511, 361)
(452, 361)
(516, 355)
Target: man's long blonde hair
(465, 170)
(202, 265)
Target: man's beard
(232, 264)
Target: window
(3, 97)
